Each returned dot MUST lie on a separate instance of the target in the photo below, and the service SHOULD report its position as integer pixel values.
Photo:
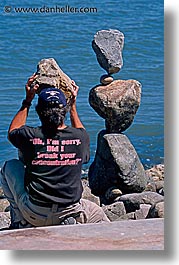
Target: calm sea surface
(27, 37)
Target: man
(45, 188)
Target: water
(26, 38)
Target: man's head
(52, 96)
(51, 108)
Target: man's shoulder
(72, 133)
(79, 131)
(26, 130)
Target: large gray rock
(4, 220)
(156, 172)
(157, 210)
(1, 193)
(143, 211)
(4, 205)
(117, 103)
(127, 216)
(116, 164)
(108, 46)
(87, 193)
(114, 210)
(51, 75)
(132, 201)
(156, 176)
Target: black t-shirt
(53, 164)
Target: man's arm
(19, 119)
(21, 116)
(75, 120)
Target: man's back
(53, 164)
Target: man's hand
(75, 120)
(31, 91)
(74, 91)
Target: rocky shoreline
(131, 206)
(135, 205)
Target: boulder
(150, 186)
(156, 172)
(4, 205)
(137, 214)
(157, 210)
(87, 193)
(4, 220)
(127, 216)
(116, 164)
(112, 194)
(159, 184)
(132, 201)
(108, 46)
(156, 176)
(142, 212)
(117, 103)
(114, 211)
(51, 75)
(1, 193)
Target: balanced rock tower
(116, 168)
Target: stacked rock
(108, 46)
(49, 74)
(116, 168)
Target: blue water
(26, 38)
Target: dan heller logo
(54, 9)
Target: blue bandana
(52, 96)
